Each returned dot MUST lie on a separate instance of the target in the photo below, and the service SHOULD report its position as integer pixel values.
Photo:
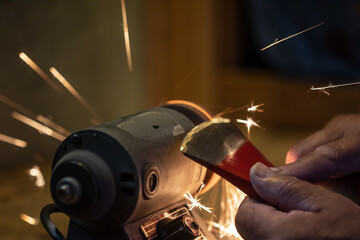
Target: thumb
(285, 192)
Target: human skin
(293, 207)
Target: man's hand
(331, 152)
(297, 210)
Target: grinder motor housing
(108, 177)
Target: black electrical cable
(48, 224)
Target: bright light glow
(249, 124)
(224, 224)
(13, 141)
(40, 72)
(330, 86)
(39, 178)
(255, 108)
(72, 90)
(195, 202)
(38, 126)
(126, 36)
(284, 39)
(30, 220)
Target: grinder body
(112, 175)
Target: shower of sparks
(38, 126)
(255, 108)
(37, 174)
(195, 202)
(52, 125)
(224, 225)
(40, 72)
(30, 114)
(28, 219)
(126, 36)
(331, 86)
(249, 124)
(73, 91)
(13, 141)
(284, 39)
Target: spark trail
(38, 126)
(291, 36)
(30, 220)
(75, 93)
(331, 86)
(13, 141)
(40, 72)
(126, 36)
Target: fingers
(337, 158)
(285, 192)
(335, 129)
(310, 143)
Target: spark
(40, 72)
(73, 91)
(228, 231)
(28, 219)
(126, 36)
(38, 126)
(52, 125)
(249, 124)
(291, 36)
(195, 202)
(331, 86)
(13, 141)
(255, 108)
(39, 178)
(29, 113)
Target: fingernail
(276, 169)
(261, 171)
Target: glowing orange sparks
(255, 108)
(291, 36)
(53, 125)
(72, 90)
(40, 72)
(13, 141)
(37, 174)
(30, 220)
(38, 126)
(195, 202)
(249, 124)
(126, 36)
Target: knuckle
(331, 152)
(289, 191)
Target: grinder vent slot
(127, 184)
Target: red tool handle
(236, 167)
